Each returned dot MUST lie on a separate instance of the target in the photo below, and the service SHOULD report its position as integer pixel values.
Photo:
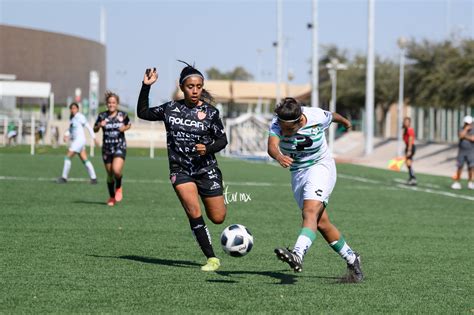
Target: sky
(230, 33)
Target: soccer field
(63, 250)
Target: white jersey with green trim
(308, 146)
(76, 128)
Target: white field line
(401, 181)
(140, 181)
(359, 179)
(436, 192)
(256, 184)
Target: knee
(218, 218)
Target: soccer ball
(236, 240)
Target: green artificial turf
(63, 250)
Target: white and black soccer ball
(236, 240)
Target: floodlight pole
(402, 45)
(279, 49)
(369, 88)
(332, 67)
(315, 58)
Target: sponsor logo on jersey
(176, 110)
(201, 115)
(186, 122)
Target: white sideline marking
(436, 192)
(258, 184)
(401, 181)
(359, 179)
(140, 181)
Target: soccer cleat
(111, 202)
(470, 185)
(213, 263)
(456, 185)
(61, 180)
(93, 181)
(354, 270)
(290, 258)
(412, 182)
(118, 194)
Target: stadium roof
(225, 91)
(25, 89)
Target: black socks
(202, 235)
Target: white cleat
(456, 185)
(470, 185)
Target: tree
(238, 74)
(441, 74)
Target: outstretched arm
(143, 110)
(89, 128)
(275, 153)
(337, 118)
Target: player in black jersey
(114, 147)
(194, 133)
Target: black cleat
(93, 181)
(61, 180)
(354, 271)
(412, 182)
(290, 258)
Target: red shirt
(410, 132)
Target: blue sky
(228, 33)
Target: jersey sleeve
(218, 134)
(144, 111)
(411, 132)
(85, 123)
(100, 117)
(323, 117)
(126, 119)
(275, 129)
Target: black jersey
(186, 127)
(113, 139)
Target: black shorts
(108, 157)
(208, 184)
(465, 157)
(413, 150)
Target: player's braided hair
(189, 71)
(289, 110)
(109, 94)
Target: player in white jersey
(297, 141)
(76, 135)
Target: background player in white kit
(297, 141)
(76, 135)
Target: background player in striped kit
(194, 133)
(76, 135)
(114, 147)
(297, 141)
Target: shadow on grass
(88, 202)
(284, 278)
(156, 261)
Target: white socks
(90, 169)
(66, 168)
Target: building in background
(62, 60)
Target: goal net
(247, 136)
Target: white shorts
(11, 134)
(77, 146)
(315, 182)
